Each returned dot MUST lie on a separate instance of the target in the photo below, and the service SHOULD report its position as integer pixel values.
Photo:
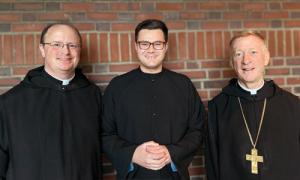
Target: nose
(65, 49)
(151, 48)
(246, 58)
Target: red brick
(292, 23)
(288, 43)
(173, 65)
(134, 57)
(275, 15)
(209, 47)
(280, 43)
(296, 43)
(9, 17)
(234, 15)
(277, 62)
(278, 80)
(7, 50)
(292, 62)
(1, 49)
(215, 64)
(122, 27)
(51, 16)
(195, 74)
(292, 81)
(271, 43)
(281, 71)
(114, 47)
(9, 81)
(74, 6)
(103, 48)
(21, 70)
(174, 25)
(18, 44)
(254, 6)
(200, 45)
(169, 6)
(256, 24)
(101, 16)
(85, 26)
(215, 25)
(191, 6)
(84, 49)
(227, 38)
(182, 46)
(145, 15)
(122, 67)
(212, 6)
(93, 48)
(218, 45)
(214, 74)
(29, 27)
(28, 6)
(291, 6)
(229, 73)
(172, 49)
(125, 6)
(191, 46)
(192, 15)
(125, 44)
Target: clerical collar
(252, 91)
(64, 81)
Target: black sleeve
(182, 152)
(118, 150)
(211, 150)
(3, 145)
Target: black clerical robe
(50, 131)
(163, 107)
(228, 141)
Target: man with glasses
(50, 122)
(152, 117)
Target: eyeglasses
(157, 45)
(60, 45)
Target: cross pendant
(255, 159)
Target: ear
(136, 46)
(167, 46)
(42, 50)
(267, 57)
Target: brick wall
(199, 35)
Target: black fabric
(228, 141)
(140, 107)
(49, 131)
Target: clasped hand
(151, 155)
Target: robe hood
(38, 78)
(269, 90)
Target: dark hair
(45, 30)
(151, 24)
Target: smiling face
(249, 58)
(60, 62)
(151, 59)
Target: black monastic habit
(50, 131)
(163, 107)
(228, 141)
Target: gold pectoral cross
(255, 159)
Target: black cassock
(228, 141)
(50, 131)
(163, 107)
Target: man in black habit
(152, 117)
(50, 122)
(253, 125)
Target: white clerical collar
(252, 91)
(65, 81)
